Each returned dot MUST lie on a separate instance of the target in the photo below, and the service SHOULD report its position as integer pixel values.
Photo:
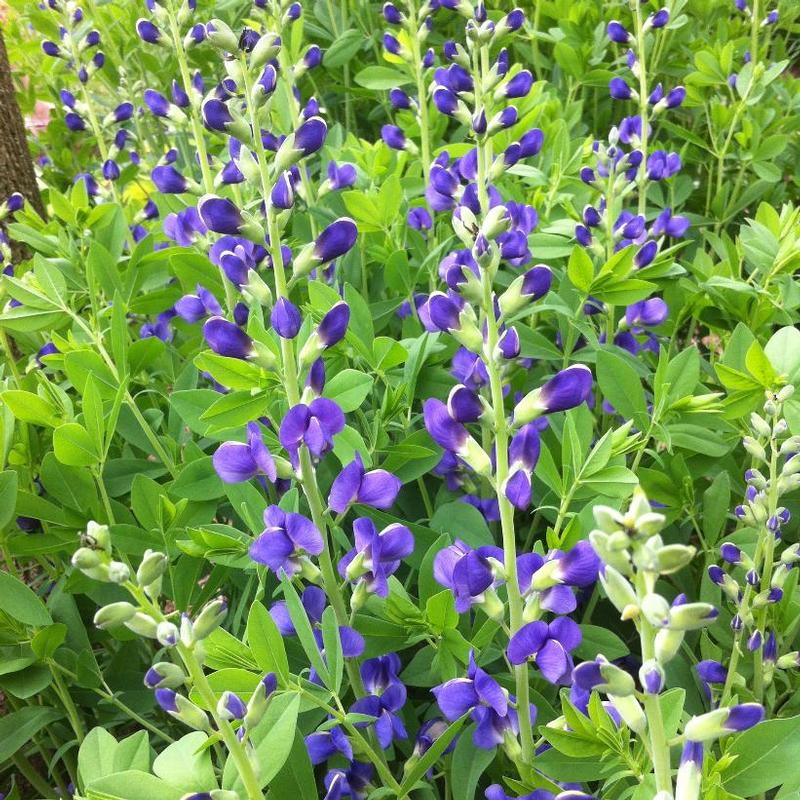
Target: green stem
(422, 95)
(243, 764)
(308, 477)
(32, 775)
(659, 747)
(643, 100)
(72, 712)
(501, 433)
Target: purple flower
(184, 226)
(157, 103)
(236, 462)
(377, 488)
(619, 89)
(487, 700)
(313, 425)
(649, 313)
(336, 240)
(659, 19)
(549, 646)
(286, 540)
(466, 572)
(168, 180)
(523, 453)
(227, 339)
(394, 137)
(671, 225)
(221, 215)
(194, 307)
(341, 177)
(324, 744)
(74, 121)
(617, 32)
(286, 319)
(376, 556)
(419, 219)
(147, 31)
(567, 389)
(520, 85)
(123, 112)
(387, 696)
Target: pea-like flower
(236, 462)
(376, 555)
(313, 425)
(286, 542)
(469, 574)
(549, 646)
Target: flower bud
(755, 449)
(631, 712)
(760, 425)
(152, 568)
(259, 700)
(723, 721)
(667, 644)
(618, 589)
(602, 676)
(690, 772)
(210, 618)
(182, 708)
(118, 572)
(164, 675)
(221, 36)
(142, 624)
(651, 677)
(167, 634)
(114, 614)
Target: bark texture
(16, 165)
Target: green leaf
(580, 269)
(273, 739)
(600, 640)
(8, 496)
(783, 352)
(31, 408)
(468, 764)
(332, 642)
(440, 611)
(765, 757)
(381, 78)
(349, 388)
(198, 481)
(132, 785)
(74, 446)
(19, 727)
(299, 618)
(21, 603)
(266, 642)
(622, 387)
(295, 779)
(186, 764)
(72, 486)
(344, 48)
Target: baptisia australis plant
(180, 638)
(627, 163)
(475, 89)
(634, 559)
(79, 48)
(752, 580)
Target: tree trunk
(16, 165)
